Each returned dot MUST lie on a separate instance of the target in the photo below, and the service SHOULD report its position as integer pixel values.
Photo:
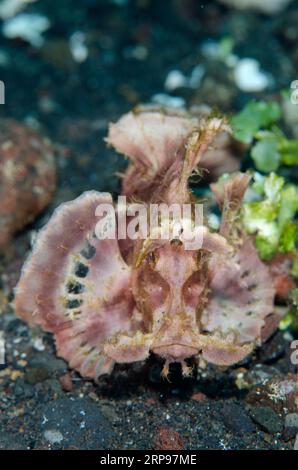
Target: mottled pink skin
(214, 304)
(42, 290)
(154, 141)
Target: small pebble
(38, 344)
(175, 79)
(291, 420)
(167, 100)
(66, 382)
(267, 419)
(198, 396)
(249, 77)
(53, 436)
(28, 26)
(78, 47)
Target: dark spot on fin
(88, 251)
(81, 270)
(244, 274)
(75, 287)
(73, 303)
(252, 287)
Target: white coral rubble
(269, 7)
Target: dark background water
(132, 46)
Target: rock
(296, 443)
(288, 434)
(51, 386)
(280, 393)
(10, 441)
(75, 422)
(258, 375)
(168, 439)
(53, 436)
(291, 426)
(199, 396)
(274, 349)
(249, 77)
(292, 421)
(236, 419)
(27, 177)
(109, 412)
(36, 374)
(43, 366)
(267, 419)
(23, 390)
(66, 382)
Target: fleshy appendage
(154, 140)
(229, 192)
(77, 286)
(241, 303)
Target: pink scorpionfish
(113, 301)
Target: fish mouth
(175, 351)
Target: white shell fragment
(175, 79)
(169, 101)
(27, 26)
(9, 8)
(249, 77)
(78, 48)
